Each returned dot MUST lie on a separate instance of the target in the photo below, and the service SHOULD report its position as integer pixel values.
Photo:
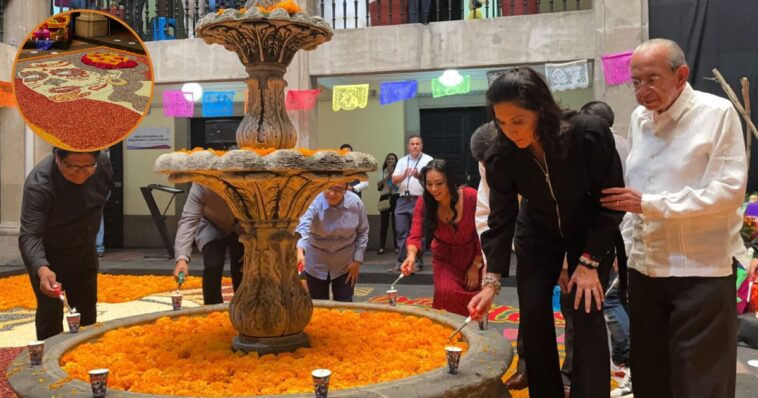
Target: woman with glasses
(333, 237)
(64, 197)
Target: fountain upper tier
(264, 31)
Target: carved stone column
(266, 123)
(270, 301)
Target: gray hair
(675, 54)
(482, 140)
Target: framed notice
(149, 138)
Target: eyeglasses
(336, 190)
(79, 169)
(651, 82)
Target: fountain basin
(486, 360)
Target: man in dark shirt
(63, 201)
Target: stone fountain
(267, 194)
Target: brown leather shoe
(518, 381)
(566, 391)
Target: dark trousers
(388, 216)
(80, 285)
(683, 336)
(214, 257)
(319, 289)
(521, 364)
(540, 261)
(567, 309)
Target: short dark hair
(599, 109)
(412, 136)
(482, 140)
(63, 153)
(346, 146)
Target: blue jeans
(617, 320)
(99, 241)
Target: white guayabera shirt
(690, 166)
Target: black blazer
(589, 165)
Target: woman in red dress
(445, 215)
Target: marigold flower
(18, 293)
(358, 347)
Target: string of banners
(574, 75)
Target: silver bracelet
(588, 262)
(491, 280)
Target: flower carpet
(102, 91)
(164, 358)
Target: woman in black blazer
(559, 166)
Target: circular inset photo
(83, 80)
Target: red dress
(453, 250)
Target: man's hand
(352, 273)
(48, 284)
(622, 199)
(181, 266)
(752, 271)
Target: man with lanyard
(64, 197)
(410, 189)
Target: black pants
(319, 289)
(683, 336)
(214, 257)
(540, 261)
(77, 275)
(388, 216)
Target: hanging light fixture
(450, 78)
(195, 88)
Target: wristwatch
(491, 280)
